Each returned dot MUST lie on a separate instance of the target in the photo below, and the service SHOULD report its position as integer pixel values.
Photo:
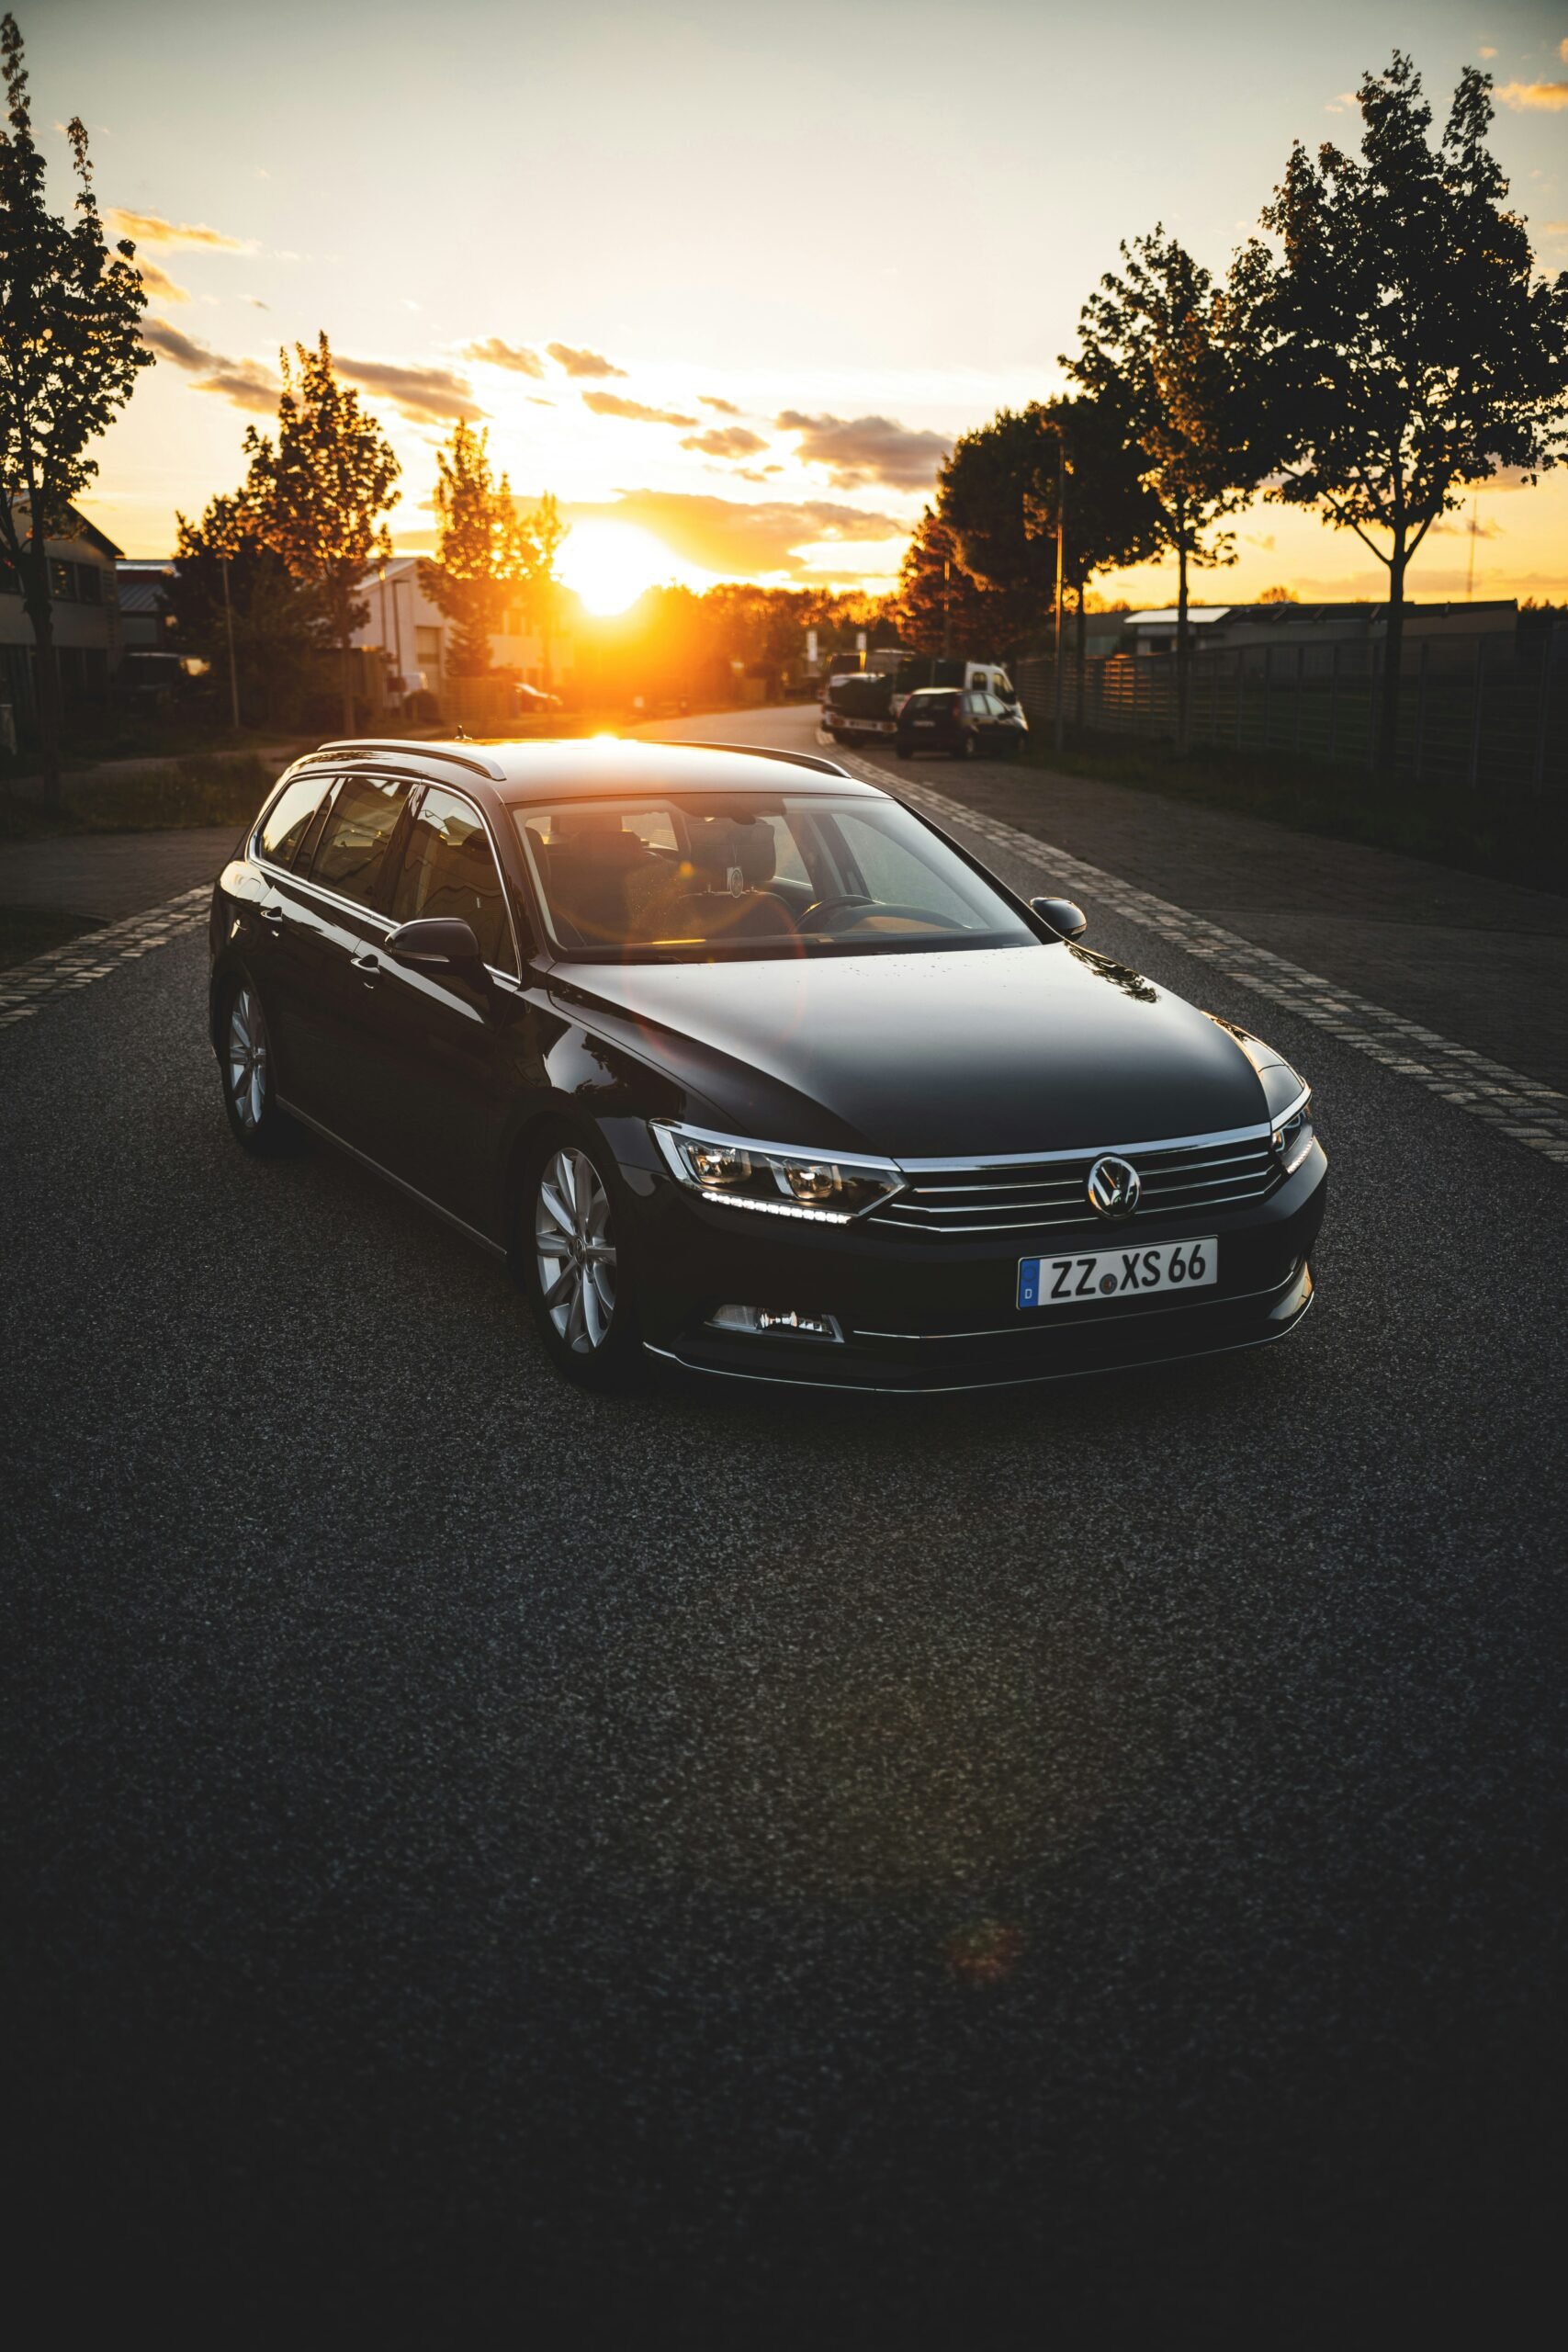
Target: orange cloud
(152, 229)
(612, 404)
(581, 363)
(515, 356)
(244, 384)
(158, 282)
(736, 540)
(720, 408)
(1545, 97)
(725, 441)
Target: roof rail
(755, 752)
(419, 748)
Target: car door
(458, 1052)
(276, 923)
(337, 1072)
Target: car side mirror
(1066, 920)
(438, 943)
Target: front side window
(289, 820)
(753, 874)
(450, 868)
(351, 855)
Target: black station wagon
(741, 1064)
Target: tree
(999, 492)
(319, 491)
(1158, 344)
(70, 354)
(1405, 347)
(545, 534)
(1279, 596)
(481, 548)
(943, 608)
(231, 588)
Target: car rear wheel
(245, 1057)
(573, 1267)
(964, 747)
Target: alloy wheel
(575, 1251)
(248, 1059)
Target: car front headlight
(828, 1187)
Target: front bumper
(921, 1314)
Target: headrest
(719, 844)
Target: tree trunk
(347, 653)
(1394, 650)
(46, 690)
(1182, 644)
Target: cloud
(612, 404)
(1545, 97)
(1486, 51)
(256, 303)
(1346, 102)
(736, 539)
(581, 363)
(515, 356)
(152, 229)
(868, 449)
(424, 395)
(245, 383)
(158, 282)
(725, 441)
(721, 408)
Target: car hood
(1039, 1048)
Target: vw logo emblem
(1113, 1187)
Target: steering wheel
(820, 907)
(865, 909)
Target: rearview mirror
(437, 944)
(1066, 920)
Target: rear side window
(288, 822)
(350, 856)
(450, 868)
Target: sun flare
(610, 564)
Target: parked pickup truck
(859, 704)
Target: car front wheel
(245, 1057)
(574, 1268)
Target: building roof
(1168, 616)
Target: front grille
(1013, 1196)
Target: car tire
(964, 747)
(904, 750)
(245, 1066)
(574, 1219)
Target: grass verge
(27, 932)
(1515, 838)
(208, 789)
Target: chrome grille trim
(1017, 1193)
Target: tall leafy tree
(1407, 346)
(69, 353)
(483, 548)
(319, 492)
(231, 589)
(545, 533)
(944, 608)
(1159, 343)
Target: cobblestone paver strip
(1533, 1114)
(96, 953)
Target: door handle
(272, 917)
(368, 964)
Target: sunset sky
(727, 279)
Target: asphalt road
(487, 1866)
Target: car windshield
(661, 876)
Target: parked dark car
(740, 1063)
(966, 725)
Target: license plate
(925, 722)
(1117, 1274)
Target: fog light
(787, 1322)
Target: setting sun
(610, 564)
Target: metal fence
(1482, 714)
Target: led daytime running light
(825, 1188)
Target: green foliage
(70, 354)
(227, 576)
(943, 607)
(1405, 346)
(317, 492)
(483, 548)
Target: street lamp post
(1058, 717)
(229, 631)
